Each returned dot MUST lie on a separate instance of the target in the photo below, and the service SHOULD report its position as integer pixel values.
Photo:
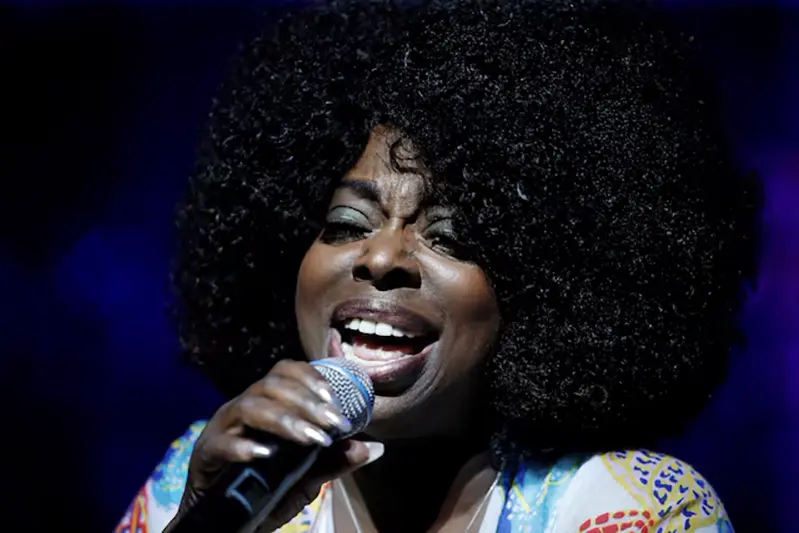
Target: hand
(294, 403)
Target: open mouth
(376, 343)
(391, 343)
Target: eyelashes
(449, 245)
(442, 237)
(340, 232)
(345, 224)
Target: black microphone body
(245, 495)
(242, 493)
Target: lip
(387, 312)
(393, 377)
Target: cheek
(321, 270)
(312, 281)
(481, 311)
(310, 275)
(473, 299)
(472, 310)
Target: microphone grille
(353, 389)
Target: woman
(519, 217)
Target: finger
(273, 417)
(227, 448)
(304, 373)
(298, 398)
(341, 459)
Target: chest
(489, 505)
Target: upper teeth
(375, 328)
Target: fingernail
(315, 434)
(259, 451)
(341, 423)
(324, 394)
(376, 450)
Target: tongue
(370, 349)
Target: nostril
(394, 278)
(362, 273)
(397, 278)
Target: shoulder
(653, 491)
(159, 498)
(169, 477)
(157, 501)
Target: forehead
(392, 168)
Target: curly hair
(585, 153)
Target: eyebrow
(366, 189)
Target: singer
(521, 219)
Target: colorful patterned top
(625, 491)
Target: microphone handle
(244, 495)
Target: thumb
(344, 457)
(360, 454)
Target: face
(383, 285)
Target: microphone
(244, 495)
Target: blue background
(101, 112)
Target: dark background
(100, 110)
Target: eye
(345, 224)
(440, 236)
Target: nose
(388, 261)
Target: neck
(407, 488)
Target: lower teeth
(365, 362)
(381, 357)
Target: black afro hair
(585, 153)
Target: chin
(394, 419)
(423, 410)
